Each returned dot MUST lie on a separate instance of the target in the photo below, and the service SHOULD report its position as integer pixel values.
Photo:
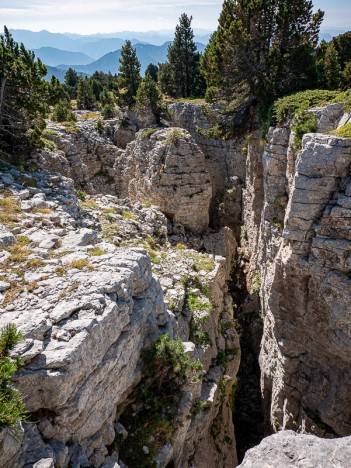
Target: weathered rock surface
(225, 162)
(287, 449)
(81, 288)
(299, 206)
(169, 170)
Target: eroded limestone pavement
(93, 281)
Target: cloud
(91, 16)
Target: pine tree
(85, 95)
(346, 76)
(332, 67)
(262, 49)
(23, 95)
(129, 73)
(56, 92)
(152, 70)
(12, 408)
(71, 82)
(149, 97)
(184, 61)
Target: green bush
(12, 408)
(287, 106)
(108, 111)
(302, 123)
(150, 415)
(100, 127)
(148, 132)
(63, 112)
(167, 362)
(81, 195)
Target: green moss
(97, 252)
(203, 263)
(90, 204)
(109, 211)
(128, 215)
(23, 240)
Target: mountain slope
(53, 57)
(99, 48)
(146, 53)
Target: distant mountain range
(99, 44)
(53, 57)
(101, 52)
(147, 53)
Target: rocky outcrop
(78, 282)
(225, 161)
(168, 169)
(288, 449)
(303, 357)
(87, 155)
(297, 238)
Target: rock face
(297, 232)
(169, 170)
(225, 161)
(77, 281)
(306, 338)
(288, 449)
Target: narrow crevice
(248, 412)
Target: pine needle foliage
(12, 408)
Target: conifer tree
(23, 94)
(149, 97)
(332, 67)
(152, 70)
(184, 62)
(263, 48)
(71, 82)
(129, 73)
(85, 95)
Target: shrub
(168, 364)
(81, 195)
(63, 112)
(302, 123)
(287, 106)
(151, 419)
(108, 112)
(99, 127)
(12, 408)
(148, 132)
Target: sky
(106, 16)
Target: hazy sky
(92, 16)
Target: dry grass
(9, 211)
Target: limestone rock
(169, 169)
(287, 449)
(6, 237)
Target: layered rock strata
(77, 281)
